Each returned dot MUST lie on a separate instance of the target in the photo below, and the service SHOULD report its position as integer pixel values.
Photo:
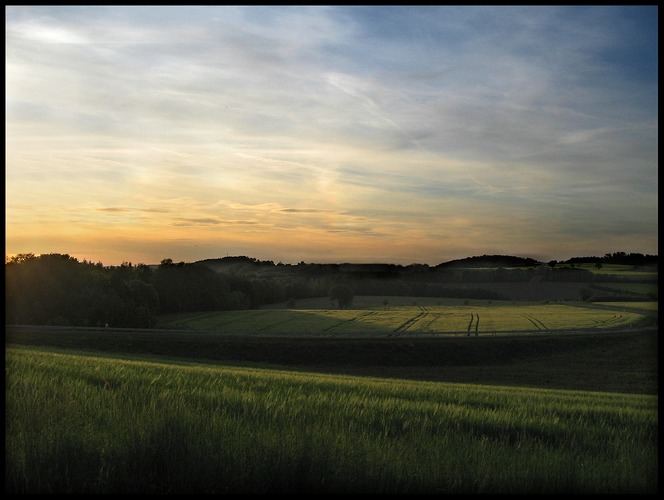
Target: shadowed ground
(619, 361)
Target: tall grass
(82, 424)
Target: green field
(398, 395)
(604, 360)
(490, 318)
(82, 423)
(621, 270)
(652, 307)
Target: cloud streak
(396, 134)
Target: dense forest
(57, 289)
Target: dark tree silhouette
(343, 294)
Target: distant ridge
(491, 261)
(244, 263)
(249, 265)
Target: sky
(330, 134)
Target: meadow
(652, 307)
(421, 315)
(84, 423)
(621, 270)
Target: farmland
(605, 360)
(489, 318)
(82, 423)
(541, 393)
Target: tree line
(620, 258)
(57, 289)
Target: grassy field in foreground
(409, 318)
(93, 424)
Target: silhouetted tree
(343, 294)
(189, 287)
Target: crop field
(621, 270)
(78, 423)
(642, 306)
(408, 319)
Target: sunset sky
(331, 134)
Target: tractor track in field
(272, 325)
(538, 324)
(476, 318)
(364, 315)
(421, 315)
(613, 319)
(85, 334)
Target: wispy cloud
(315, 132)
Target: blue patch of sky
(634, 51)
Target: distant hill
(491, 261)
(238, 264)
(250, 265)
